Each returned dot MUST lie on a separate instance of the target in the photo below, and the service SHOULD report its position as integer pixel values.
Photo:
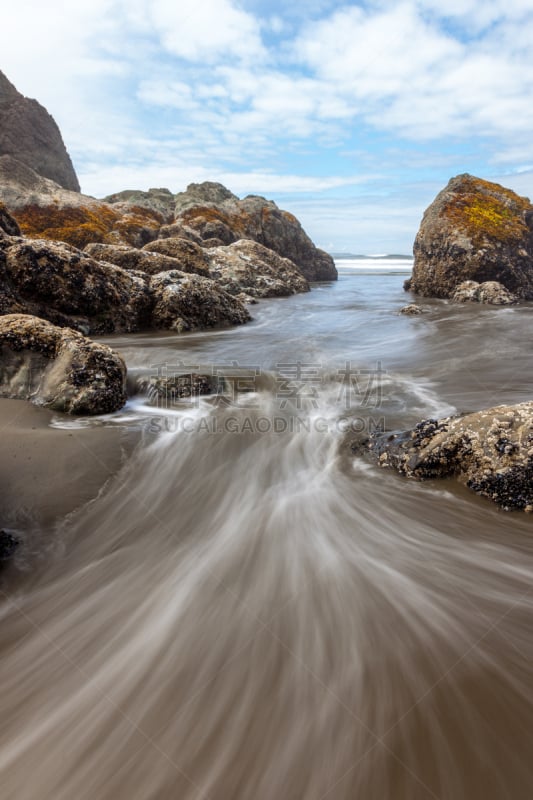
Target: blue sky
(350, 115)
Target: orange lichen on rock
(77, 225)
(483, 209)
(85, 224)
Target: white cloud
(207, 30)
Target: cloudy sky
(351, 115)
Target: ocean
(245, 609)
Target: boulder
(165, 390)
(30, 135)
(224, 219)
(474, 231)
(491, 451)
(190, 256)
(250, 268)
(145, 260)
(59, 283)
(185, 302)
(489, 292)
(58, 367)
(412, 310)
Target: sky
(350, 115)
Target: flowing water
(248, 612)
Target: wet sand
(46, 472)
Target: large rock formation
(226, 219)
(491, 451)
(58, 367)
(66, 286)
(474, 230)
(30, 135)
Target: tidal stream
(248, 612)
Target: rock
(474, 231)
(190, 256)
(489, 292)
(30, 135)
(230, 219)
(8, 545)
(8, 224)
(159, 200)
(188, 302)
(143, 260)
(491, 451)
(58, 367)
(411, 310)
(65, 286)
(43, 209)
(165, 390)
(250, 268)
(199, 194)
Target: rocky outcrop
(188, 302)
(43, 209)
(190, 256)
(58, 367)
(30, 135)
(65, 286)
(248, 267)
(490, 451)
(224, 221)
(474, 231)
(489, 292)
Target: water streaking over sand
(250, 612)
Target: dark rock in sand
(474, 230)
(30, 135)
(185, 302)
(58, 367)
(489, 292)
(248, 267)
(8, 545)
(491, 451)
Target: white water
(258, 615)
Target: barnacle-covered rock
(59, 283)
(185, 302)
(491, 451)
(250, 268)
(58, 367)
